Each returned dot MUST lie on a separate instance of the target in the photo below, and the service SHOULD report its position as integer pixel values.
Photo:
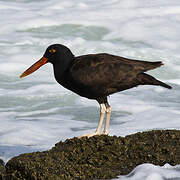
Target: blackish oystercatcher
(96, 76)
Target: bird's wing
(102, 69)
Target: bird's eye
(52, 50)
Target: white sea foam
(152, 172)
(35, 112)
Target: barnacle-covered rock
(99, 157)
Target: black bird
(96, 76)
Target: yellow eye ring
(52, 50)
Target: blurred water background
(36, 112)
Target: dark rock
(2, 169)
(1, 162)
(99, 157)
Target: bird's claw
(105, 133)
(93, 134)
(90, 135)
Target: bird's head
(55, 54)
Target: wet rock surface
(99, 157)
(2, 169)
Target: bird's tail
(151, 65)
(146, 79)
(155, 64)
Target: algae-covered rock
(2, 170)
(99, 157)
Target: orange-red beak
(34, 67)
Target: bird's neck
(61, 68)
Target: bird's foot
(90, 134)
(105, 133)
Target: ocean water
(36, 112)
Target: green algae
(99, 157)
(2, 170)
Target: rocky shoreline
(99, 157)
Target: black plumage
(96, 76)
